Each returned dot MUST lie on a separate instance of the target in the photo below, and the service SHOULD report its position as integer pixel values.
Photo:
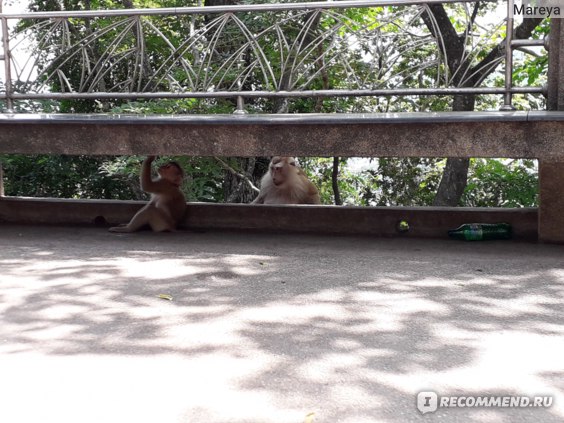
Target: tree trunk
(235, 188)
(453, 183)
(455, 174)
(335, 181)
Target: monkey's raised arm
(147, 183)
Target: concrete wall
(518, 134)
(431, 222)
(454, 134)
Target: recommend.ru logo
(429, 401)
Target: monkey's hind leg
(159, 221)
(141, 218)
(120, 229)
(148, 215)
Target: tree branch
(473, 17)
(238, 174)
(485, 68)
(451, 44)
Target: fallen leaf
(309, 418)
(165, 297)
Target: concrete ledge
(448, 134)
(427, 222)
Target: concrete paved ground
(270, 328)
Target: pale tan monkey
(167, 206)
(286, 183)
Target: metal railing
(250, 51)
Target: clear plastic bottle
(481, 231)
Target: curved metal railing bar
(274, 50)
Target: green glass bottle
(481, 231)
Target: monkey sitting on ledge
(167, 206)
(285, 183)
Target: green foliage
(319, 171)
(406, 181)
(501, 183)
(64, 177)
(175, 106)
(104, 177)
(204, 178)
(383, 182)
(414, 181)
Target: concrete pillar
(551, 172)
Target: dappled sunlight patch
(155, 269)
(51, 332)
(43, 253)
(134, 389)
(399, 302)
(346, 344)
(353, 396)
(293, 312)
(240, 265)
(55, 270)
(510, 356)
(212, 332)
(546, 328)
(392, 311)
(392, 286)
(330, 366)
(526, 304)
(507, 361)
(63, 311)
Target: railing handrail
(275, 94)
(205, 10)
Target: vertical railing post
(508, 97)
(7, 60)
(240, 110)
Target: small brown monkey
(285, 183)
(167, 206)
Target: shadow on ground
(269, 328)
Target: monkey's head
(172, 172)
(282, 169)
